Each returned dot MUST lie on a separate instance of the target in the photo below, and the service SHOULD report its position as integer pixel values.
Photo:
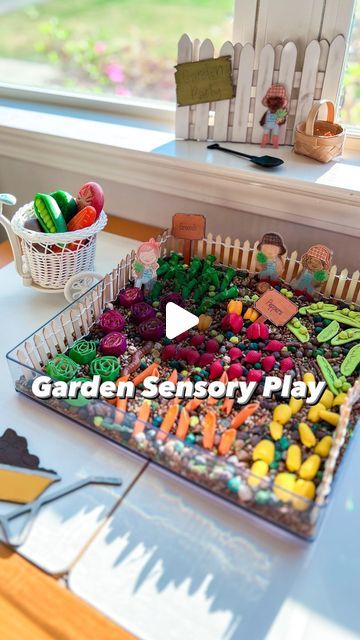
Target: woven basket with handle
(322, 140)
(50, 259)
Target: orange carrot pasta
(226, 442)
(142, 417)
(209, 430)
(240, 417)
(168, 421)
(193, 404)
(223, 378)
(227, 405)
(183, 424)
(151, 370)
(121, 404)
(114, 400)
(173, 377)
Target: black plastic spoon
(267, 162)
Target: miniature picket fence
(61, 332)
(237, 120)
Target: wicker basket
(49, 260)
(310, 138)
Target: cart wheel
(79, 283)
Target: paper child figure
(269, 259)
(146, 264)
(276, 102)
(315, 267)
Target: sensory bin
(273, 457)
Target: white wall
(24, 179)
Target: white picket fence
(237, 120)
(61, 332)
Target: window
(350, 100)
(114, 48)
(126, 49)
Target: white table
(172, 563)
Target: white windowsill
(146, 155)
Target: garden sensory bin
(274, 457)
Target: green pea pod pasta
(66, 203)
(349, 335)
(351, 361)
(49, 214)
(330, 377)
(329, 332)
(299, 330)
(317, 308)
(351, 318)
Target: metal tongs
(33, 508)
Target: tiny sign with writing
(274, 307)
(188, 227)
(204, 81)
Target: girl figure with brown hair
(315, 265)
(276, 102)
(270, 260)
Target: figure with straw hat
(315, 267)
(276, 102)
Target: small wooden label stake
(275, 307)
(188, 227)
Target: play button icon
(178, 320)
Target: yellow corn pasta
(260, 469)
(327, 399)
(282, 413)
(283, 485)
(329, 416)
(306, 435)
(293, 458)
(304, 489)
(310, 467)
(295, 404)
(323, 446)
(313, 413)
(264, 450)
(276, 430)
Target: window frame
(162, 112)
(141, 108)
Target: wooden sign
(275, 307)
(188, 227)
(204, 81)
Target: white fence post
(237, 120)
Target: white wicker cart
(52, 262)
